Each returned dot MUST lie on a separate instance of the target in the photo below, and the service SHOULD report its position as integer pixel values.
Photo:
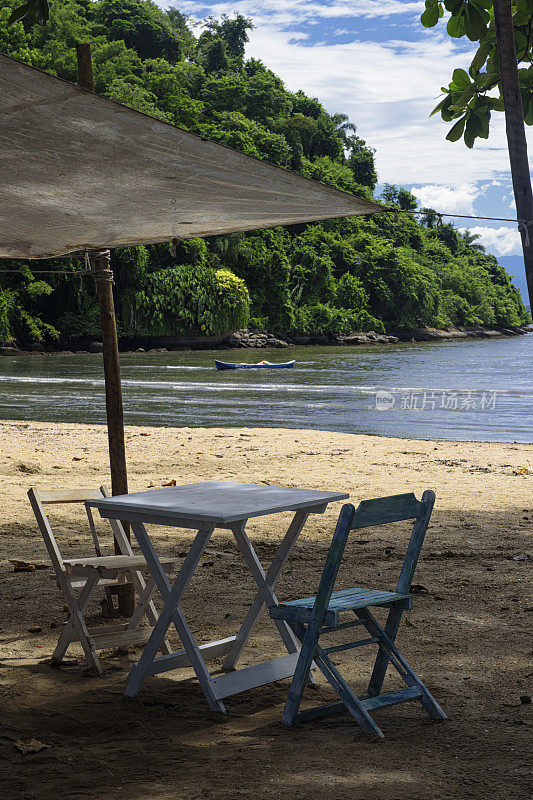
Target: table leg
(266, 590)
(171, 613)
(280, 559)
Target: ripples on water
(486, 385)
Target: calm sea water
(479, 390)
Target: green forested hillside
(353, 274)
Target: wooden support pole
(103, 276)
(85, 66)
(515, 129)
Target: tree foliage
(192, 298)
(471, 97)
(351, 274)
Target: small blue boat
(265, 365)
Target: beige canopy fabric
(80, 171)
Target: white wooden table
(204, 507)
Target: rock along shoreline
(248, 338)
(261, 340)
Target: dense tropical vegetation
(352, 274)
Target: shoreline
(267, 429)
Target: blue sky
(373, 60)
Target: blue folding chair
(311, 617)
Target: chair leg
(290, 715)
(389, 653)
(76, 623)
(361, 716)
(405, 671)
(144, 596)
(382, 660)
(309, 639)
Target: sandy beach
(469, 634)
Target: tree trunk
(516, 135)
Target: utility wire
(523, 225)
(395, 211)
(44, 272)
(458, 216)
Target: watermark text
(435, 400)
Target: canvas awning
(80, 171)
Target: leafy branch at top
(467, 98)
(34, 10)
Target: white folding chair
(79, 577)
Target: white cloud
(388, 88)
(504, 241)
(457, 199)
(301, 10)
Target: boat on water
(261, 365)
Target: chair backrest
(39, 499)
(370, 513)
